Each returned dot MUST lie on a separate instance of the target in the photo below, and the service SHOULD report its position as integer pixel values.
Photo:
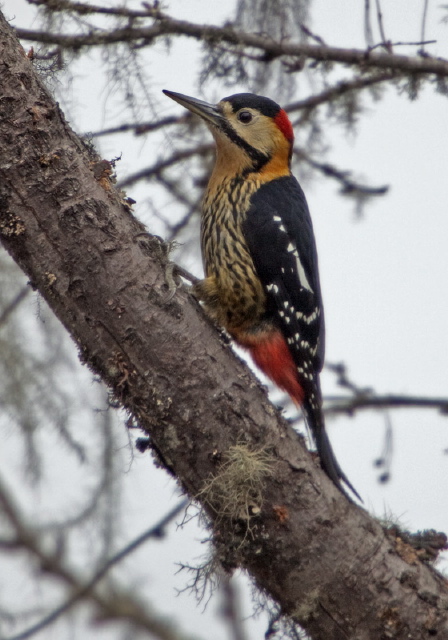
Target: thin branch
(172, 188)
(175, 229)
(339, 89)
(155, 169)
(14, 304)
(139, 128)
(379, 14)
(424, 16)
(231, 609)
(343, 380)
(367, 24)
(337, 405)
(366, 398)
(165, 25)
(192, 207)
(83, 9)
(307, 31)
(348, 184)
(412, 43)
(384, 461)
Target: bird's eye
(245, 117)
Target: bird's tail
(272, 355)
(327, 457)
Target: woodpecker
(259, 253)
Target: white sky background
(384, 285)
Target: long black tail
(326, 454)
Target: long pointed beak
(208, 112)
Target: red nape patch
(284, 124)
(271, 354)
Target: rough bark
(328, 564)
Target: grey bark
(324, 560)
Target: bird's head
(253, 134)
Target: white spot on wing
(300, 270)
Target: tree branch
(141, 128)
(82, 8)
(341, 88)
(15, 302)
(348, 184)
(359, 402)
(161, 165)
(319, 556)
(164, 26)
(366, 398)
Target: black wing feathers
(279, 234)
(280, 238)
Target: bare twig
(423, 30)
(231, 609)
(139, 128)
(384, 461)
(157, 168)
(192, 207)
(402, 44)
(307, 31)
(379, 14)
(339, 89)
(348, 184)
(366, 398)
(367, 24)
(4, 315)
(343, 380)
(82, 8)
(350, 405)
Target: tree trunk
(324, 560)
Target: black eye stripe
(258, 157)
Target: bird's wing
(279, 233)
